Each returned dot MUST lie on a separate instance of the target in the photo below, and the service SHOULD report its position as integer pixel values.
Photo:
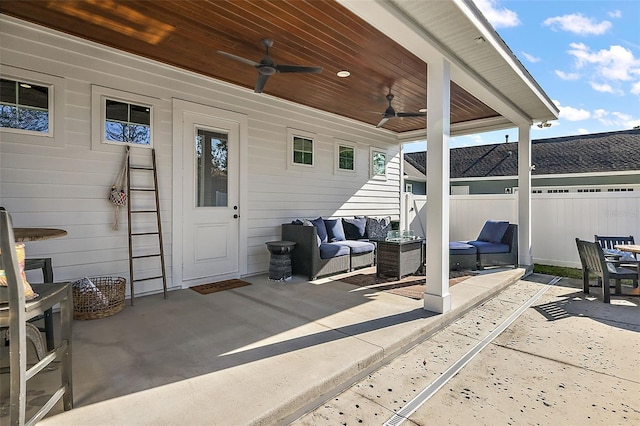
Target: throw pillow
(377, 228)
(320, 229)
(28, 291)
(355, 229)
(335, 232)
(493, 231)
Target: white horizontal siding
(67, 186)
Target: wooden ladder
(139, 212)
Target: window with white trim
(345, 156)
(121, 118)
(127, 122)
(32, 107)
(378, 160)
(301, 148)
(24, 106)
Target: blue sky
(585, 54)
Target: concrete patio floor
(253, 355)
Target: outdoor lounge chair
(594, 262)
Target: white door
(210, 198)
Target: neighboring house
(583, 163)
(275, 159)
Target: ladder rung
(145, 256)
(141, 167)
(144, 233)
(142, 189)
(149, 278)
(144, 211)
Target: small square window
(127, 123)
(300, 148)
(345, 156)
(408, 188)
(378, 163)
(24, 106)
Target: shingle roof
(593, 153)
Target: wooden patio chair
(15, 312)
(594, 262)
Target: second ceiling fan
(391, 113)
(267, 66)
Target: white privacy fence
(556, 219)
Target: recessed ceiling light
(422, 110)
(343, 73)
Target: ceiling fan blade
(238, 58)
(262, 80)
(298, 68)
(384, 120)
(411, 114)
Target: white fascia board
(469, 9)
(394, 24)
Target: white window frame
(408, 188)
(291, 134)
(342, 143)
(57, 86)
(99, 96)
(372, 152)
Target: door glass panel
(212, 152)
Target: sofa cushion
(377, 228)
(493, 231)
(358, 247)
(329, 250)
(457, 247)
(485, 247)
(320, 229)
(335, 232)
(355, 229)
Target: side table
(398, 258)
(280, 263)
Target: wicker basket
(103, 300)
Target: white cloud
(530, 58)
(572, 114)
(635, 88)
(499, 17)
(604, 88)
(578, 24)
(616, 63)
(567, 75)
(615, 14)
(582, 131)
(615, 119)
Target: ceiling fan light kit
(267, 67)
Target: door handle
(235, 216)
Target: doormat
(411, 286)
(219, 286)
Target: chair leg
(66, 317)
(585, 281)
(606, 291)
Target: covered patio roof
(386, 46)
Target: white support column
(525, 256)
(437, 297)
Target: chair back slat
(611, 242)
(591, 257)
(9, 261)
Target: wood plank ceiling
(188, 33)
